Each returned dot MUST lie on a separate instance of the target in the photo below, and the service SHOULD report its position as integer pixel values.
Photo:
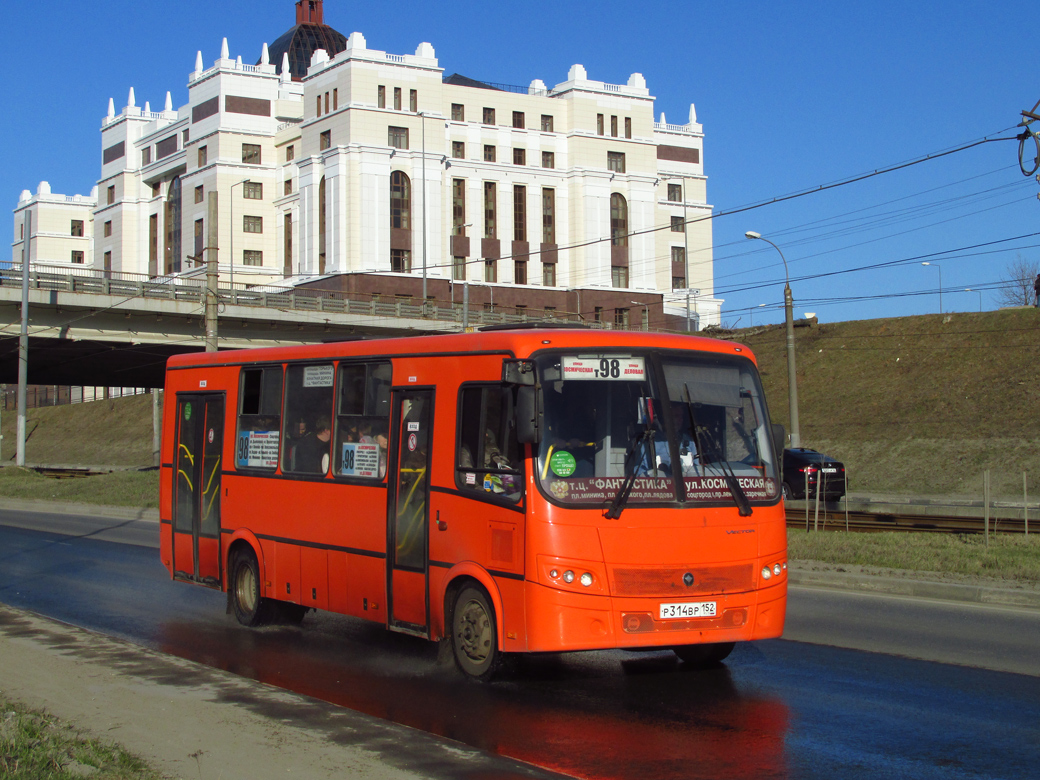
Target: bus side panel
(339, 583)
(314, 572)
(514, 618)
(286, 582)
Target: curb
(921, 589)
(90, 510)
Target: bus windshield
(666, 427)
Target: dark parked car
(821, 469)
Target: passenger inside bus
(312, 451)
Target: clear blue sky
(791, 95)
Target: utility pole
(23, 341)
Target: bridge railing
(92, 281)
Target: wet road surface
(777, 709)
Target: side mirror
(779, 436)
(528, 416)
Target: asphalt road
(862, 686)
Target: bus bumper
(560, 621)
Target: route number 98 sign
(611, 368)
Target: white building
(375, 174)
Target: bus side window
(259, 418)
(488, 457)
(362, 420)
(308, 419)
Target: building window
(489, 116)
(458, 150)
(618, 220)
(326, 102)
(200, 241)
(253, 190)
(489, 153)
(401, 261)
(518, 120)
(675, 193)
(519, 157)
(77, 256)
(519, 212)
(458, 112)
(146, 156)
(520, 272)
(678, 257)
(199, 194)
(621, 318)
(397, 98)
(184, 138)
(108, 261)
(324, 140)
(597, 314)
(599, 124)
(111, 194)
(77, 228)
(678, 224)
(548, 215)
(628, 127)
(549, 274)
(547, 123)
(108, 228)
(490, 196)
(251, 154)
(548, 159)
(613, 126)
(397, 137)
(252, 224)
(288, 187)
(400, 200)
(290, 153)
(458, 268)
(413, 100)
(335, 99)
(678, 282)
(619, 276)
(317, 105)
(202, 156)
(490, 275)
(381, 96)
(616, 162)
(458, 207)
(252, 257)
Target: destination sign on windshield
(617, 368)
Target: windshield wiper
(618, 504)
(739, 496)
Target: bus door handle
(441, 525)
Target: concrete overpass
(94, 328)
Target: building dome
(310, 34)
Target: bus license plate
(829, 471)
(694, 609)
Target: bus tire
(250, 608)
(474, 634)
(703, 656)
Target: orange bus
(513, 490)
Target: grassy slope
(917, 404)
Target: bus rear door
(408, 512)
(196, 495)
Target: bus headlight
(766, 572)
(586, 579)
(568, 576)
(776, 569)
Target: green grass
(1013, 558)
(36, 746)
(118, 488)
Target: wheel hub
(474, 632)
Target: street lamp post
(231, 216)
(939, 267)
(979, 292)
(792, 380)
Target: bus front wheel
(250, 608)
(701, 656)
(474, 638)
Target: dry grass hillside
(916, 404)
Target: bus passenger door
(408, 513)
(196, 508)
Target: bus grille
(669, 582)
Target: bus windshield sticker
(562, 463)
(360, 460)
(257, 449)
(614, 368)
(317, 376)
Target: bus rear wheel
(250, 608)
(701, 656)
(474, 637)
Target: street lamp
(979, 292)
(646, 314)
(936, 265)
(792, 380)
(231, 213)
(752, 313)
